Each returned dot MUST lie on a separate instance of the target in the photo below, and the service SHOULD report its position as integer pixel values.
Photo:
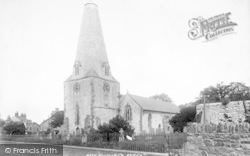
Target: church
(92, 95)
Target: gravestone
(121, 136)
(219, 128)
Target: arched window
(128, 113)
(66, 122)
(77, 115)
(149, 120)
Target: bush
(14, 128)
(115, 125)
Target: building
(91, 93)
(146, 114)
(45, 125)
(31, 127)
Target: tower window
(77, 114)
(149, 120)
(128, 113)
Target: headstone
(219, 128)
(225, 128)
(121, 136)
(84, 138)
(236, 128)
(50, 136)
(233, 129)
(68, 137)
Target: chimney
(23, 115)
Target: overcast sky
(146, 41)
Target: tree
(235, 91)
(14, 128)
(2, 122)
(114, 126)
(187, 114)
(162, 97)
(57, 119)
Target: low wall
(217, 140)
(234, 111)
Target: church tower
(91, 92)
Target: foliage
(235, 91)
(2, 122)
(14, 128)
(162, 97)
(114, 126)
(187, 114)
(57, 119)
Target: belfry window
(106, 68)
(128, 113)
(77, 66)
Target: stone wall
(234, 112)
(217, 140)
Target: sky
(147, 43)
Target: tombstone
(78, 132)
(233, 129)
(84, 138)
(210, 128)
(41, 137)
(236, 128)
(225, 128)
(121, 136)
(50, 136)
(214, 128)
(68, 137)
(230, 129)
(219, 128)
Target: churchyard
(155, 142)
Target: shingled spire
(91, 54)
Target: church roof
(155, 105)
